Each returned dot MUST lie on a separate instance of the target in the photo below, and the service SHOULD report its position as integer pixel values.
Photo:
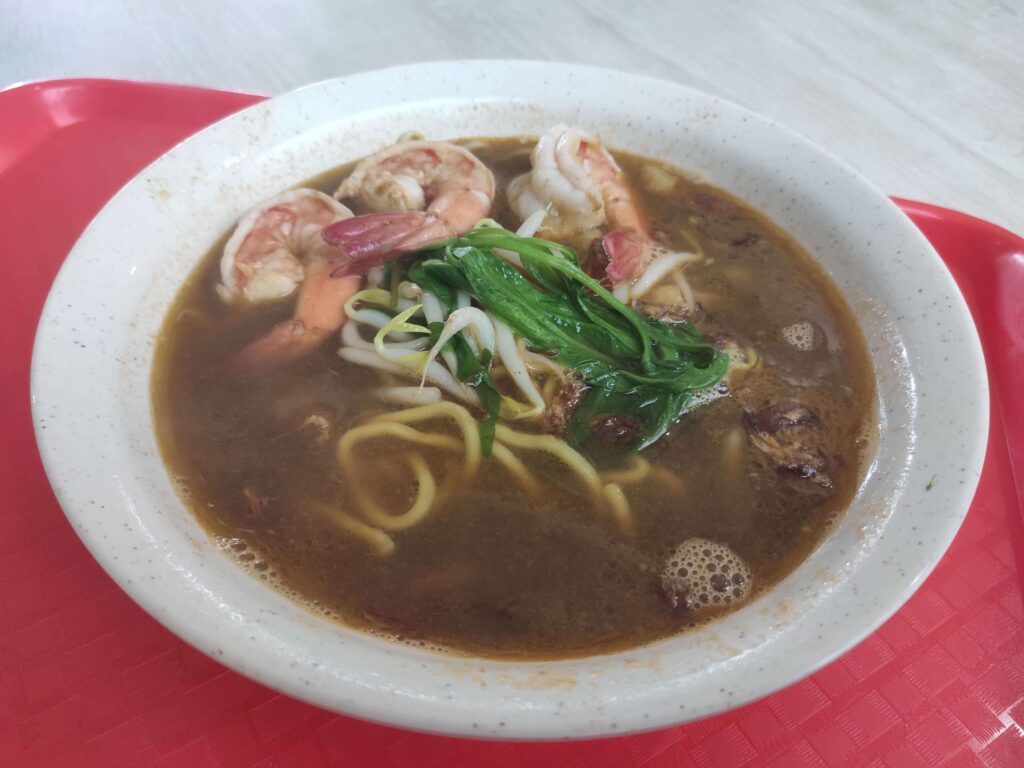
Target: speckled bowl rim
(90, 401)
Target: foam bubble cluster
(183, 489)
(705, 574)
(702, 397)
(803, 335)
(258, 565)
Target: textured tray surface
(88, 679)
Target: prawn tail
(319, 313)
(368, 240)
(628, 254)
(283, 344)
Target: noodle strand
(637, 470)
(619, 505)
(557, 448)
(606, 488)
(462, 418)
(515, 467)
(425, 494)
(381, 543)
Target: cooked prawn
(577, 181)
(277, 247)
(264, 258)
(320, 312)
(422, 192)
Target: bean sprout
(508, 351)
(685, 290)
(467, 318)
(533, 222)
(539, 362)
(400, 323)
(658, 270)
(410, 395)
(436, 373)
(373, 317)
(350, 336)
(434, 313)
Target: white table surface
(926, 99)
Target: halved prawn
(278, 246)
(577, 181)
(423, 192)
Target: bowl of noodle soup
(507, 483)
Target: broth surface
(495, 571)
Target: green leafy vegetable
(636, 369)
(439, 278)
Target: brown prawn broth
(495, 571)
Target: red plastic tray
(88, 679)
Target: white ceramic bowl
(92, 408)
